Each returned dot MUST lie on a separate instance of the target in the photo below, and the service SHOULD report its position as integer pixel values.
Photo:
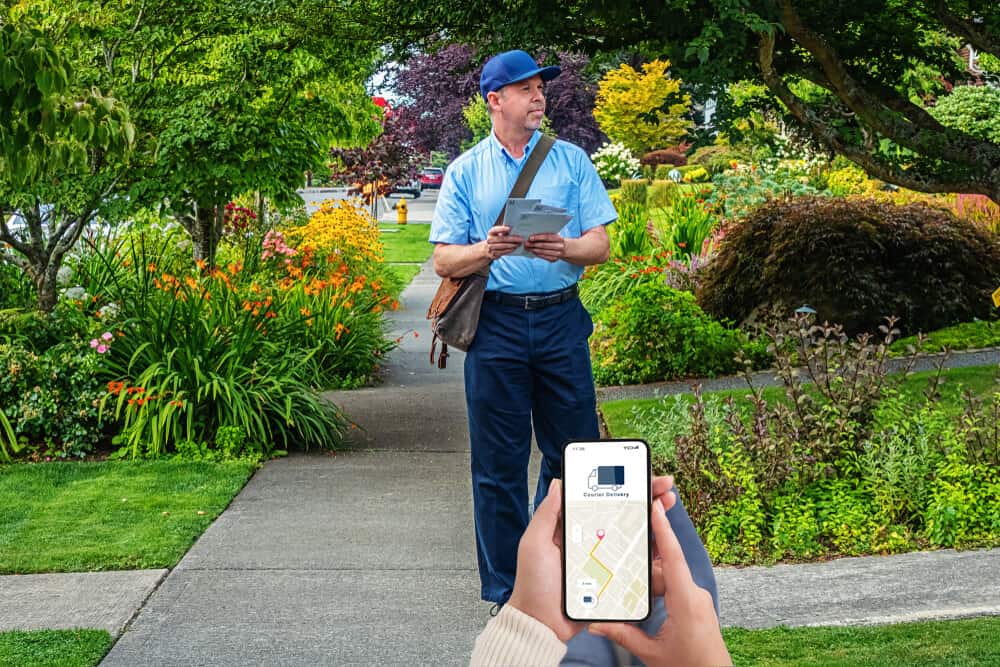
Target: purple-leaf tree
(437, 86)
(392, 157)
(570, 104)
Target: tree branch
(17, 260)
(967, 30)
(6, 236)
(827, 136)
(924, 135)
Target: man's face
(521, 103)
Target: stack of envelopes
(527, 217)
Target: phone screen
(606, 546)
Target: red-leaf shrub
(672, 156)
(855, 261)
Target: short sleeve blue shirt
(475, 189)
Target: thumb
(629, 637)
(547, 513)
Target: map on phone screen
(606, 524)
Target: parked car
(411, 187)
(431, 177)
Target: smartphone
(607, 556)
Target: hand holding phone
(691, 633)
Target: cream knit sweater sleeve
(514, 639)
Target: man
(529, 365)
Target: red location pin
(600, 533)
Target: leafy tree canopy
(438, 85)
(51, 132)
(226, 97)
(872, 59)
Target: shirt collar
(527, 149)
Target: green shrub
(662, 172)
(971, 109)
(842, 463)
(696, 175)
(16, 291)
(40, 331)
(197, 354)
(604, 284)
(51, 398)
(848, 181)
(854, 261)
(633, 192)
(657, 333)
(739, 191)
(716, 159)
(662, 193)
(683, 228)
(629, 234)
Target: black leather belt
(532, 301)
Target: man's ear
(492, 100)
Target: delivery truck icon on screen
(606, 477)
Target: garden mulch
(368, 556)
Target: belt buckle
(532, 302)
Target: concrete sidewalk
(367, 557)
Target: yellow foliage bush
(696, 175)
(340, 228)
(850, 181)
(629, 107)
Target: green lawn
(406, 243)
(951, 643)
(405, 273)
(406, 248)
(979, 379)
(54, 648)
(965, 336)
(73, 517)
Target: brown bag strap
(523, 182)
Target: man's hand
(550, 247)
(691, 634)
(591, 248)
(538, 585)
(499, 242)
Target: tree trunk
(206, 231)
(44, 275)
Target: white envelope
(527, 217)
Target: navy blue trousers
(529, 370)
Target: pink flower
(106, 336)
(102, 348)
(94, 342)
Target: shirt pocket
(567, 197)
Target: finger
(499, 230)
(629, 637)
(676, 573)
(657, 577)
(548, 511)
(661, 485)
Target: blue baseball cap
(511, 67)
